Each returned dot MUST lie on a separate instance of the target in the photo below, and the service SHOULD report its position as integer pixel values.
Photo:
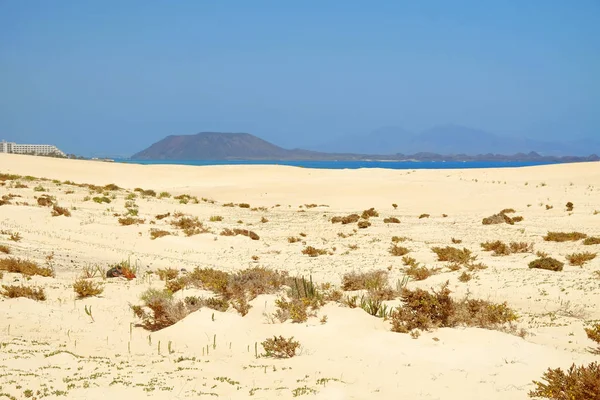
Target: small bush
(580, 258)
(521, 247)
(364, 280)
(280, 347)
(548, 263)
(12, 291)
(158, 233)
(578, 383)
(569, 206)
(216, 218)
(164, 310)
(499, 248)
(424, 216)
(101, 200)
(591, 241)
(293, 239)
(348, 219)
(419, 272)
(363, 224)
(244, 205)
(465, 277)
(162, 216)
(564, 236)
(453, 254)
(456, 241)
(4, 249)
(56, 211)
(163, 195)
(398, 251)
(45, 201)
(366, 214)
(313, 252)
(190, 225)
(399, 239)
(15, 236)
(24, 267)
(130, 221)
(243, 232)
(86, 288)
(166, 274)
(424, 310)
(391, 220)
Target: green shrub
(548, 263)
(578, 383)
(280, 347)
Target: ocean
(352, 164)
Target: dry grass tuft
(280, 347)
(4, 249)
(399, 239)
(130, 221)
(244, 205)
(162, 216)
(391, 220)
(86, 288)
(569, 206)
(158, 233)
(216, 218)
(420, 272)
(580, 258)
(364, 280)
(12, 291)
(167, 274)
(398, 251)
(56, 211)
(591, 241)
(313, 252)
(578, 383)
(548, 263)
(456, 241)
(424, 216)
(45, 200)
(465, 277)
(425, 311)
(453, 254)
(593, 333)
(243, 232)
(24, 267)
(499, 248)
(293, 239)
(190, 225)
(564, 236)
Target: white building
(37, 149)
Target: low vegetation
(580, 258)
(564, 236)
(363, 224)
(548, 263)
(391, 220)
(130, 221)
(280, 347)
(591, 241)
(4, 249)
(313, 251)
(424, 310)
(24, 267)
(371, 212)
(57, 211)
(500, 248)
(190, 225)
(14, 291)
(237, 231)
(348, 219)
(398, 251)
(577, 383)
(502, 218)
(453, 255)
(424, 216)
(87, 288)
(158, 233)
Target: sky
(112, 77)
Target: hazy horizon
(115, 77)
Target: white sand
(353, 355)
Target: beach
(92, 348)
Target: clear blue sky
(116, 76)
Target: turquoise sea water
(353, 164)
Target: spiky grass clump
(293, 239)
(580, 258)
(280, 347)
(578, 383)
(12, 291)
(549, 263)
(87, 288)
(24, 267)
(564, 236)
(4, 249)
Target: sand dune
(53, 348)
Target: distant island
(219, 146)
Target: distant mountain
(452, 139)
(244, 146)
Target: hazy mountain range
(244, 146)
(452, 139)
